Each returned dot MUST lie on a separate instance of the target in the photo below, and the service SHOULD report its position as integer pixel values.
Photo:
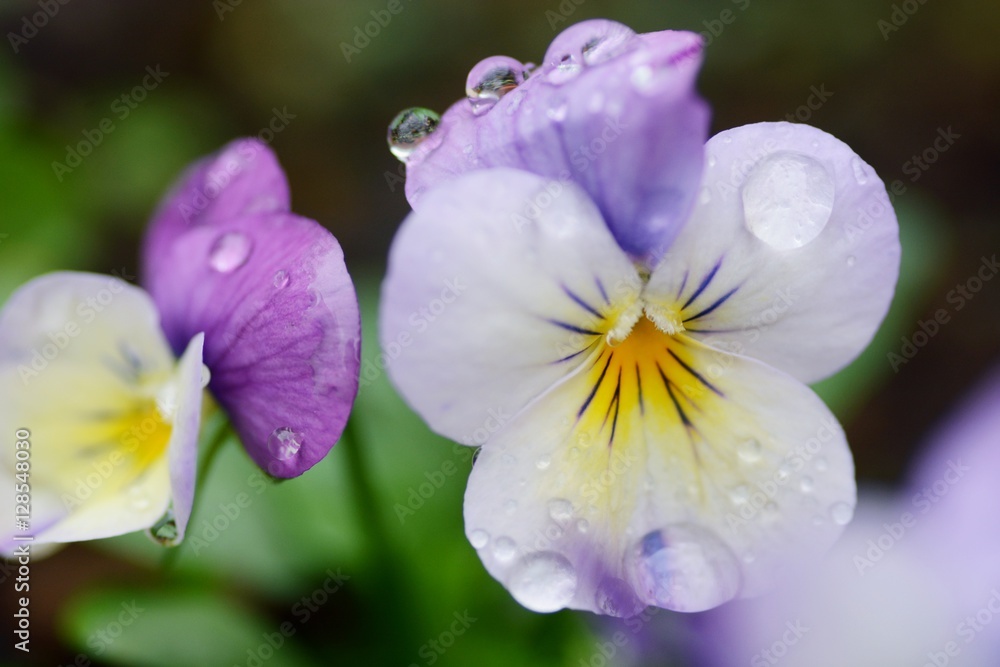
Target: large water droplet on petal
(284, 443)
(229, 252)
(490, 80)
(787, 199)
(409, 129)
(589, 43)
(749, 450)
(685, 567)
(615, 597)
(164, 530)
(479, 538)
(544, 581)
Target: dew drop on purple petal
(409, 129)
(284, 443)
(281, 279)
(229, 252)
(787, 199)
(589, 43)
(490, 80)
(615, 597)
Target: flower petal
(243, 178)
(497, 287)
(613, 111)
(665, 473)
(791, 255)
(183, 447)
(282, 331)
(91, 376)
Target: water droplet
(138, 498)
(206, 376)
(642, 76)
(726, 139)
(787, 199)
(164, 530)
(543, 463)
(860, 171)
(281, 279)
(739, 495)
(585, 44)
(508, 459)
(504, 549)
(685, 567)
(851, 261)
(706, 195)
(806, 485)
(490, 80)
(560, 509)
(583, 525)
(595, 103)
(229, 252)
(479, 538)
(409, 129)
(510, 506)
(557, 113)
(544, 581)
(712, 161)
(615, 597)
(284, 443)
(749, 451)
(841, 513)
(782, 474)
(820, 464)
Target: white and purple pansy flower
(244, 297)
(641, 310)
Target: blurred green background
(324, 570)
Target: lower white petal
(664, 473)
(90, 375)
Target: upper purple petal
(242, 178)
(613, 111)
(282, 330)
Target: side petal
(183, 447)
(243, 178)
(282, 331)
(500, 284)
(791, 255)
(89, 373)
(689, 477)
(613, 111)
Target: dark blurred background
(887, 78)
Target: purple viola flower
(914, 581)
(106, 380)
(632, 314)
(225, 256)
